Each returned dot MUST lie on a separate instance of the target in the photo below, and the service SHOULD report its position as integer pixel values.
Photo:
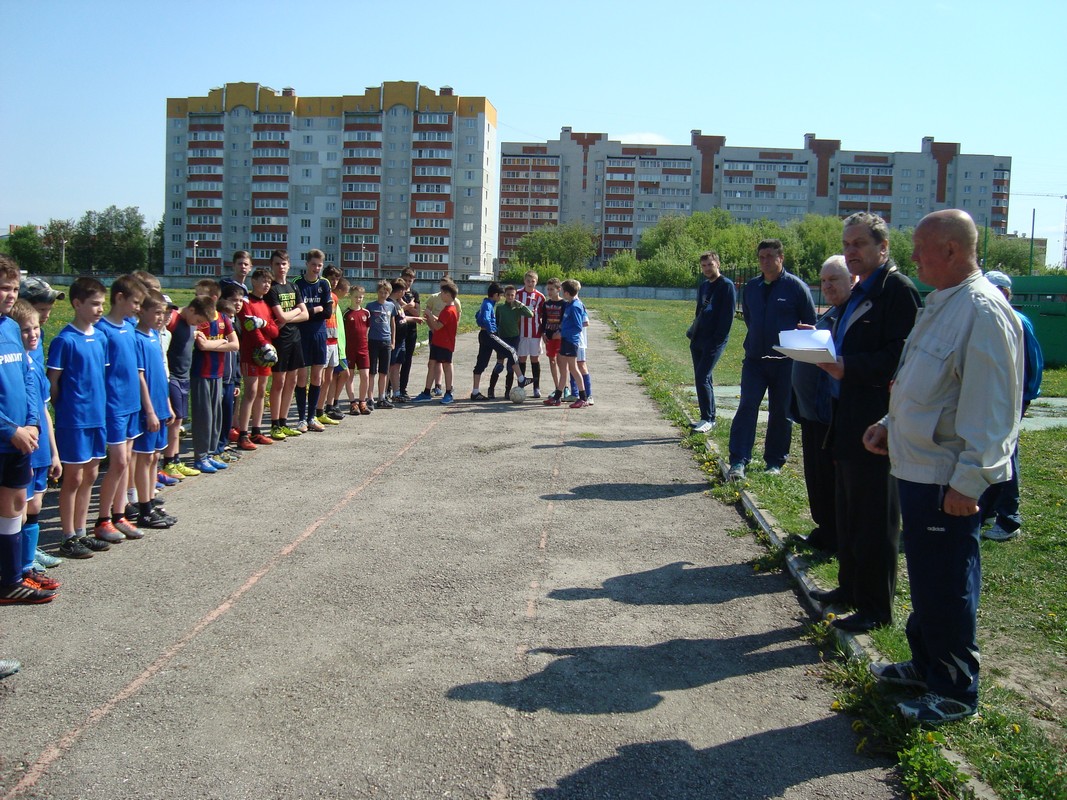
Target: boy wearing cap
(38, 293)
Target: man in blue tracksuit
(709, 333)
(773, 301)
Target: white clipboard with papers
(809, 346)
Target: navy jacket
(787, 303)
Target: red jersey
(209, 364)
(530, 327)
(445, 338)
(357, 324)
(252, 339)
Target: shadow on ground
(627, 491)
(674, 585)
(601, 444)
(621, 679)
(754, 767)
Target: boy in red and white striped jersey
(530, 344)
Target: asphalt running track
(485, 600)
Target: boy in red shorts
(357, 349)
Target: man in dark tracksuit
(709, 333)
(773, 301)
(869, 337)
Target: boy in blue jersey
(19, 437)
(77, 362)
(123, 423)
(44, 461)
(315, 293)
(571, 327)
(489, 342)
(156, 412)
(42, 297)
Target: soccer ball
(265, 356)
(517, 395)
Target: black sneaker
(73, 548)
(154, 520)
(130, 512)
(334, 413)
(385, 402)
(404, 397)
(24, 593)
(94, 544)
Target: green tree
(818, 238)
(155, 249)
(26, 248)
(113, 240)
(572, 246)
(57, 235)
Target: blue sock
(301, 402)
(31, 532)
(588, 381)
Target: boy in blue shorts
(44, 461)
(315, 293)
(155, 412)
(571, 326)
(19, 437)
(42, 297)
(77, 362)
(123, 380)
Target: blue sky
(86, 83)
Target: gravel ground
(483, 601)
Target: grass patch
(1019, 742)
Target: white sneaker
(998, 534)
(704, 426)
(301, 426)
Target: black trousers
(820, 478)
(868, 533)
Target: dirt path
(484, 601)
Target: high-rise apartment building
(398, 176)
(622, 189)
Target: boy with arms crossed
(287, 309)
(434, 304)
(256, 322)
(315, 293)
(551, 316)
(182, 327)
(213, 341)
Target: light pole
(196, 244)
(362, 256)
(62, 256)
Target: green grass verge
(1018, 742)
